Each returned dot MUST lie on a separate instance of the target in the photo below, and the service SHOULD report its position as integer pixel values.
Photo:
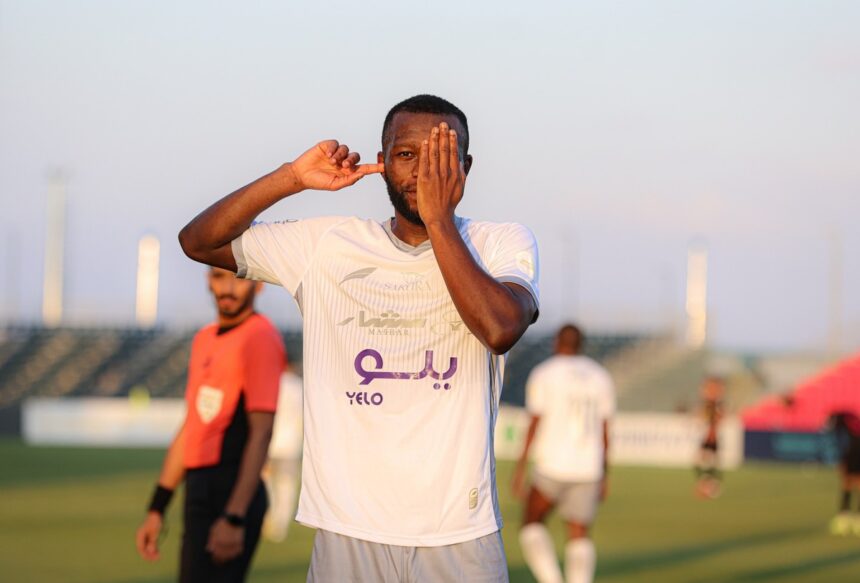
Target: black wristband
(160, 499)
(234, 519)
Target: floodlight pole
(697, 296)
(148, 252)
(52, 284)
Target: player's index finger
(423, 156)
(370, 168)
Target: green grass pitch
(68, 515)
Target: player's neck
(409, 233)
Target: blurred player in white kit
(285, 457)
(570, 399)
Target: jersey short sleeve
(515, 258)
(535, 393)
(280, 252)
(264, 359)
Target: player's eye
(405, 154)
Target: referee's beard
(401, 205)
(244, 304)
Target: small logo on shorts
(473, 498)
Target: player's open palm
(147, 535)
(441, 175)
(330, 166)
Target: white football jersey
(573, 396)
(400, 398)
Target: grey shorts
(575, 501)
(341, 559)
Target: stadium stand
(667, 379)
(97, 362)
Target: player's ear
(258, 287)
(380, 159)
(467, 163)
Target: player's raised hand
(441, 175)
(147, 535)
(330, 166)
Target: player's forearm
(489, 309)
(530, 437)
(250, 468)
(228, 218)
(173, 468)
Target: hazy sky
(618, 131)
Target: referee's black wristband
(160, 499)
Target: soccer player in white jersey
(406, 323)
(571, 399)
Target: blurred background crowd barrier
(124, 386)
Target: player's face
(400, 157)
(232, 295)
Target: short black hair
(426, 104)
(571, 336)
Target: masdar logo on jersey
(387, 323)
(208, 403)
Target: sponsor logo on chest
(387, 323)
(376, 278)
(369, 366)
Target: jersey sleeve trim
(522, 283)
(239, 257)
(528, 287)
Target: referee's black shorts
(206, 494)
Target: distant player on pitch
(232, 392)
(405, 322)
(571, 399)
(708, 475)
(846, 430)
